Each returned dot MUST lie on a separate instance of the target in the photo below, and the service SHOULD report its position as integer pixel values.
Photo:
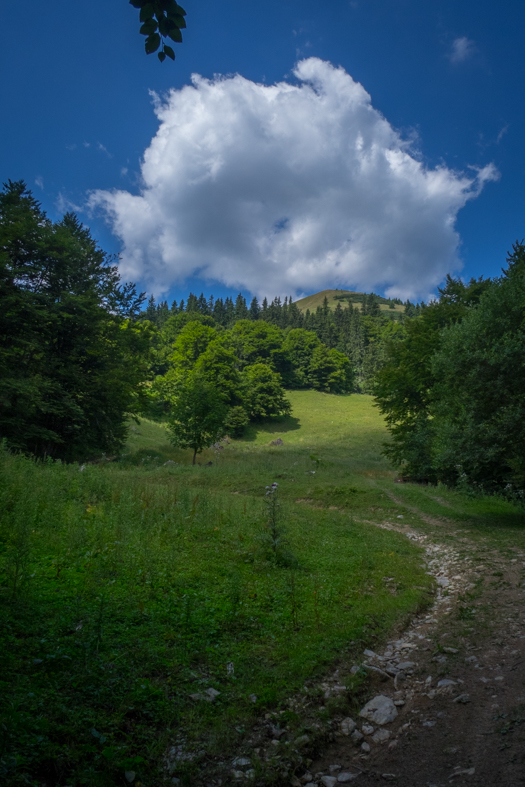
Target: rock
(446, 683)
(462, 698)
(365, 747)
(380, 736)
(346, 776)
(357, 736)
(306, 777)
(334, 768)
(241, 762)
(450, 650)
(212, 694)
(405, 666)
(429, 723)
(389, 776)
(369, 654)
(169, 462)
(471, 659)
(348, 725)
(380, 710)
(197, 697)
(302, 740)
(367, 729)
(294, 782)
(277, 442)
(238, 775)
(250, 774)
(399, 703)
(443, 582)
(253, 698)
(328, 781)
(130, 776)
(463, 772)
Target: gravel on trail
(455, 677)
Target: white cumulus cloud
(287, 188)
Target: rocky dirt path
(453, 684)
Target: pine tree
(254, 309)
(241, 310)
(193, 303)
(151, 310)
(202, 304)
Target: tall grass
(125, 589)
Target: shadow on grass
(483, 512)
(276, 426)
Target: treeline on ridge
(359, 330)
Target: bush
(264, 393)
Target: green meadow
(135, 589)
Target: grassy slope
(145, 581)
(313, 301)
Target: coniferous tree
(192, 304)
(241, 310)
(67, 330)
(254, 309)
(151, 310)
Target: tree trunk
(194, 456)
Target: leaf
(152, 43)
(165, 25)
(175, 35)
(169, 51)
(161, 56)
(177, 19)
(181, 10)
(149, 27)
(137, 3)
(147, 12)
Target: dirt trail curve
(456, 678)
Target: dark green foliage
(359, 333)
(330, 371)
(299, 345)
(259, 342)
(236, 421)
(453, 390)
(197, 414)
(404, 384)
(160, 19)
(67, 330)
(479, 395)
(264, 394)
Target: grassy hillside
(132, 591)
(343, 297)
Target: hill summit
(344, 297)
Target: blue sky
(444, 83)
